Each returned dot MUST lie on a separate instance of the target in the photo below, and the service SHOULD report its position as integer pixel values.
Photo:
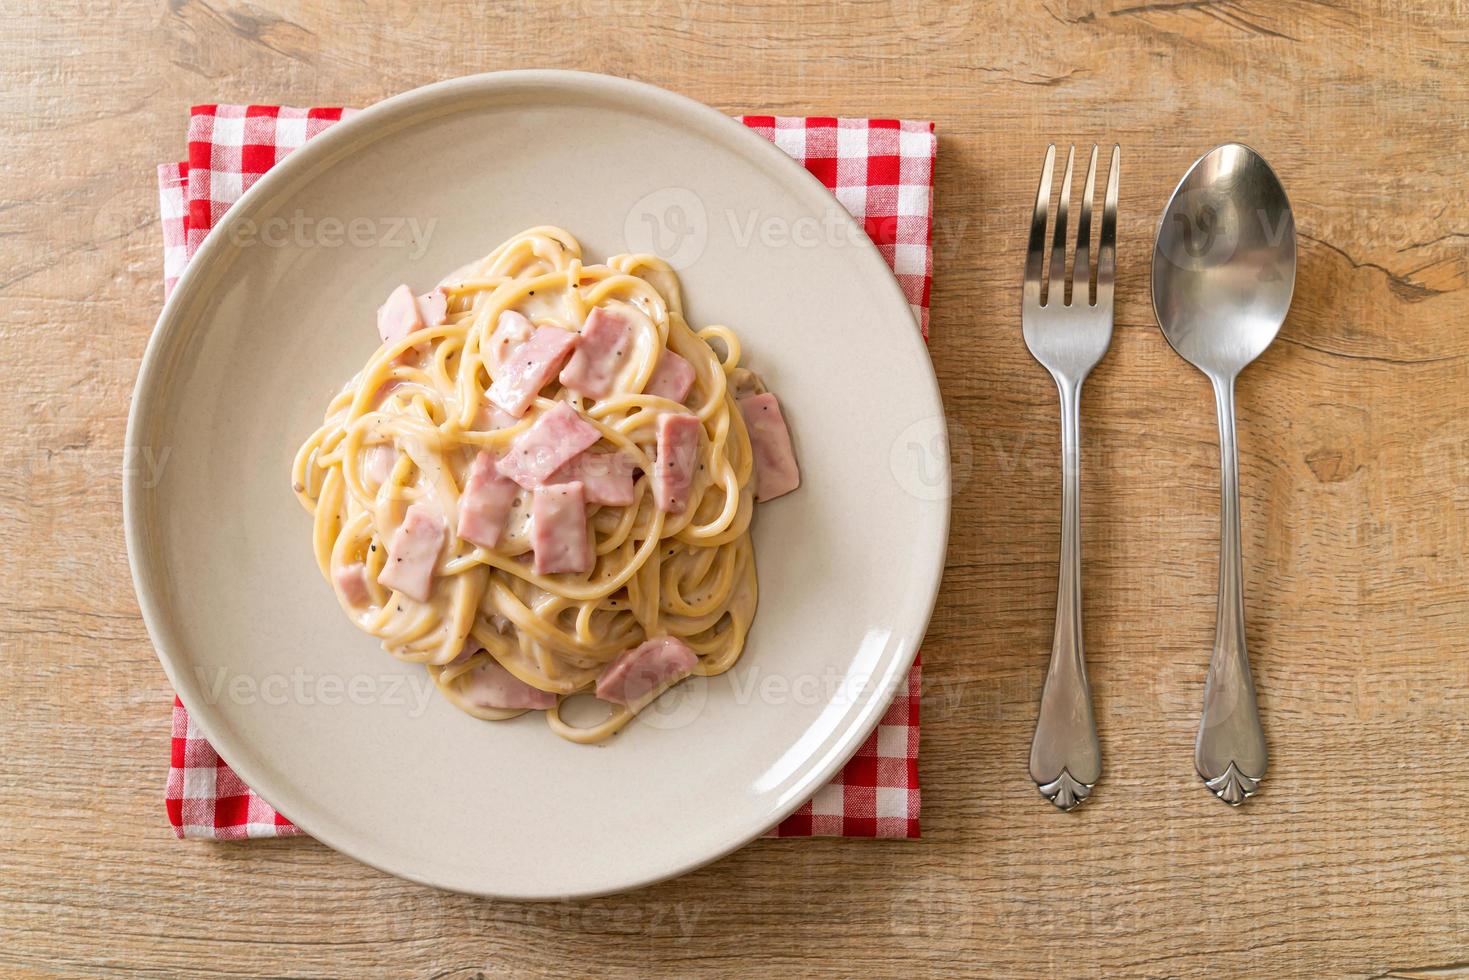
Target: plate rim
(149, 385)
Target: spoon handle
(1230, 752)
(1065, 757)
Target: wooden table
(1354, 432)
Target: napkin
(881, 170)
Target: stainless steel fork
(1068, 329)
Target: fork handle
(1065, 757)
(1230, 753)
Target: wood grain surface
(1354, 436)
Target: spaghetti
(421, 438)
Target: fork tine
(1035, 253)
(1107, 251)
(1081, 266)
(1057, 283)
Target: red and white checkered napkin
(881, 170)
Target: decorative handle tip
(1233, 786)
(1066, 792)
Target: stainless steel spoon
(1224, 269)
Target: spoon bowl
(1224, 266)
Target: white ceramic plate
(276, 311)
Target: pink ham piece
(399, 316)
(551, 442)
(511, 331)
(404, 313)
(485, 504)
(638, 672)
(488, 685)
(600, 354)
(489, 418)
(558, 529)
(385, 391)
(433, 306)
(605, 477)
(528, 367)
(379, 462)
(672, 378)
(776, 473)
(678, 454)
(413, 554)
(352, 583)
